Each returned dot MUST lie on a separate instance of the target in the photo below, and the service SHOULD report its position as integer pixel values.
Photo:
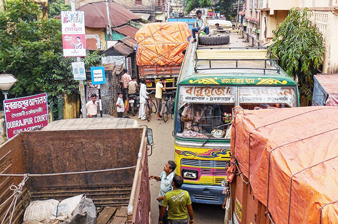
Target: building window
(138, 2)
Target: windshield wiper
(206, 141)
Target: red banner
(25, 114)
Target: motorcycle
(134, 103)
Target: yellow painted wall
(99, 32)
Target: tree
(299, 47)
(224, 6)
(56, 6)
(32, 51)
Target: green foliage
(299, 46)
(224, 6)
(56, 6)
(31, 50)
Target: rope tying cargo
(17, 192)
(65, 173)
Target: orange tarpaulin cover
(162, 43)
(271, 146)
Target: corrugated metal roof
(131, 42)
(127, 30)
(123, 49)
(96, 15)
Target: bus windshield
(206, 112)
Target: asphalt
(163, 151)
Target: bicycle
(150, 107)
(168, 105)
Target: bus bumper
(205, 194)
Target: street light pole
(81, 84)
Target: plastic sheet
(295, 149)
(162, 43)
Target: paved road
(164, 151)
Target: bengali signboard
(25, 114)
(73, 34)
(267, 95)
(206, 95)
(98, 75)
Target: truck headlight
(190, 174)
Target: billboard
(25, 114)
(73, 34)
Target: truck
(160, 51)
(214, 79)
(104, 158)
(283, 166)
(325, 90)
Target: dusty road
(163, 151)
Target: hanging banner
(73, 34)
(25, 114)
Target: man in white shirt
(120, 105)
(160, 86)
(143, 100)
(91, 107)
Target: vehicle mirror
(150, 139)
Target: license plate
(131, 101)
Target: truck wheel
(213, 39)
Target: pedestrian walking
(120, 105)
(179, 204)
(143, 100)
(125, 79)
(91, 107)
(160, 87)
(166, 178)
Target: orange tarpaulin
(162, 43)
(295, 149)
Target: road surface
(163, 151)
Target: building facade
(152, 10)
(264, 16)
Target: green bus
(212, 81)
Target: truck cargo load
(160, 50)
(287, 160)
(104, 158)
(325, 90)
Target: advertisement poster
(25, 114)
(73, 34)
(79, 70)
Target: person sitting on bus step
(200, 24)
(191, 118)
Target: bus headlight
(190, 174)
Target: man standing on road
(179, 203)
(166, 178)
(160, 86)
(125, 79)
(91, 107)
(143, 100)
(200, 24)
